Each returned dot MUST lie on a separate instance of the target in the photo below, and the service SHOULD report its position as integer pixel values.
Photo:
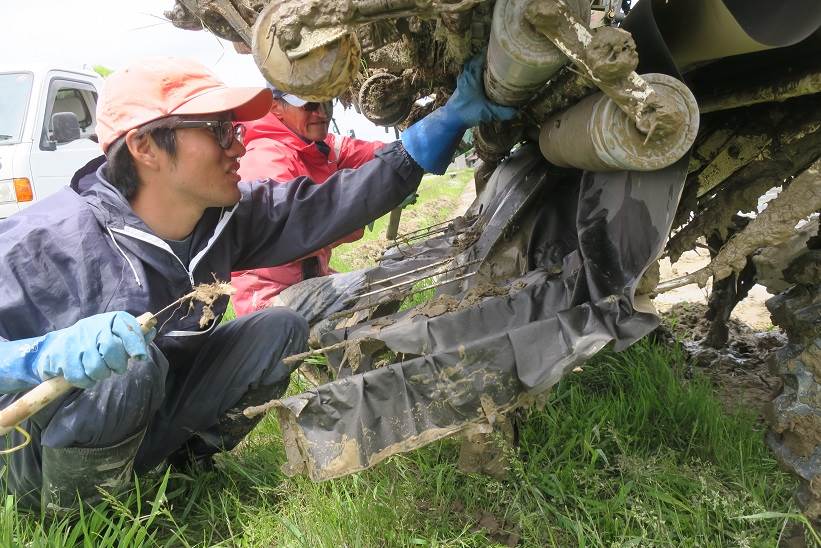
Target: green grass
(624, 453)
(627, 452)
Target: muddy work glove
(432, 140)
(87, 352)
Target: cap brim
(246, 103)
(293, 100)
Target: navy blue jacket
(83, 251)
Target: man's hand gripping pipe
(49, 390)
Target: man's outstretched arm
(289, 221)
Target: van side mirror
(66, 127)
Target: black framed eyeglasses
(225, 131)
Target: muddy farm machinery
(643, 132)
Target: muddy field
(740, 370)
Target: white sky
(113, 33)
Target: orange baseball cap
(153, 88)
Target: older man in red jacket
(290, 141)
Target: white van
(47, 120)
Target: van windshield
(15, 88)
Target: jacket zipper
(154, 241)
(158, 242)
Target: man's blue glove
(84, 353)
(432, 140)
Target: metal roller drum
(596, 135)
(319, 69)
(520, 59)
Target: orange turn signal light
(23, 190)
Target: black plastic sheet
(574, 294)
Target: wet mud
(612, 53)
(385, 99)
(792, 150)
(360, 349)
(609, 57)
(489, 453)
(346, 455)
(740, 370)
(480, 291)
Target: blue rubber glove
(84, 353)
(432, 140)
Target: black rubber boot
(72, 472)
(196, 455)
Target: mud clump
(436, 307)
(482, 290)
(358, 351)
(466, 239)
(739, 370)
(800, 434)
(611, 53)
(384, 99)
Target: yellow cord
(26, 441)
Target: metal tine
(428, 231)
(404, 253)
(343, 344)
(409, 282)
(421, 268)
(411, 242)
(414, 271)
(424, 229)
(346, 313)
(407, 241)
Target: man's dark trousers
(157, 408)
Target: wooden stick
(336, 346)
(46, 392)
(393, 223)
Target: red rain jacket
(275, 151)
